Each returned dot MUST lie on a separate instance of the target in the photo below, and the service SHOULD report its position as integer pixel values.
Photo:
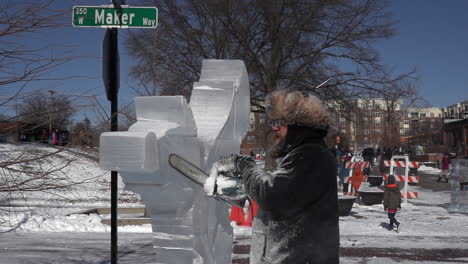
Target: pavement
(94, 248)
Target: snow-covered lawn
(53, 210)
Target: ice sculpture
(459, 186)
(188, 226)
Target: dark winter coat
(297, 220)
(392, 198)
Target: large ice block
(188, 226)
(459, 186)
(129, 151)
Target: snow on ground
(424, 217)
(428, 170)
(88, 187)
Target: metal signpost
(112, 17)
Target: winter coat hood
(296, 108)
(392, 197)
(301, 135)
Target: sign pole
(117, 15)
(114, 127)
(110, 72)
(111, 77)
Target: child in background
(392, 201)
(445, 168)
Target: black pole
(114, 127)
(110, 74)
(114, 249)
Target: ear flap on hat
(274, 105)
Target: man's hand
(226, 177)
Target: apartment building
(421, 121)
(422, 126)
(456, 111)
(366, 122)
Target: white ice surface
(213, 125)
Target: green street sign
(109, 17)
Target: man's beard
(277, 149)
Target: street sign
(109, 17)
(111, 64)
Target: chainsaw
(197, 175)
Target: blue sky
(433, 38)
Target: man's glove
(226, 177)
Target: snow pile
(428, 170)
(75, 223)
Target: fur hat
(296, 108)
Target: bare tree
(398, 97)
(285, 44)
(22, 63)
(43, 111)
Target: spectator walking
(392, 201)
(445, 168)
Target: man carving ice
(297, 220)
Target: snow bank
(428, 170)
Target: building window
(432, 114)
(406, 130)
(422, 114)
(377, 114)
(406, 122)
(377, 131)
(250, 139)
(377, 123)
(365, 139)
(366, 131)
(414, 115)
